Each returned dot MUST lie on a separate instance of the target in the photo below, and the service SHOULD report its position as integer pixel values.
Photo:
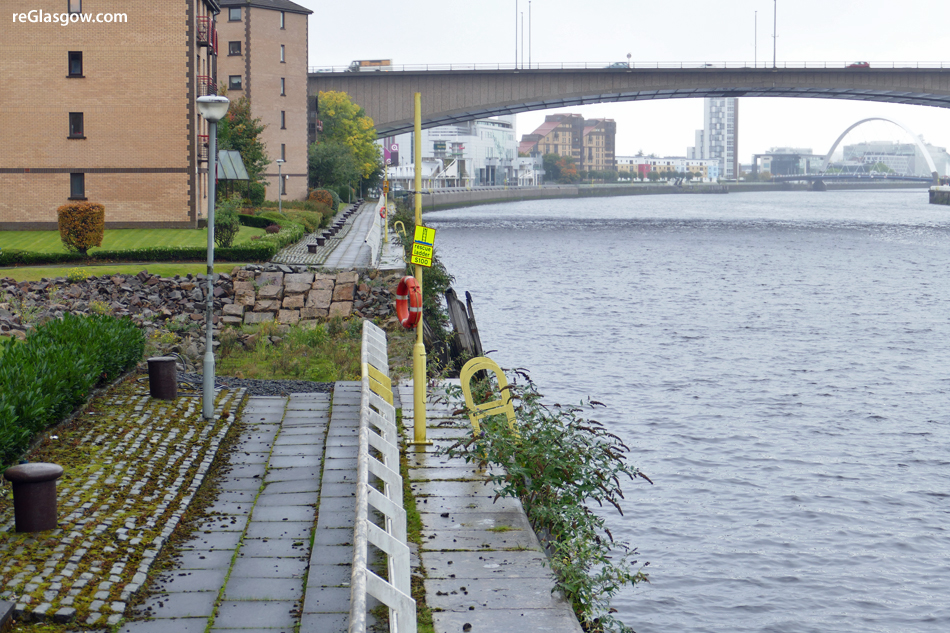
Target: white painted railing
(378, 430)
(374, 236)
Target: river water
(778, 363)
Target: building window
(234, 82)
(283, 151)
(75, 6)
(75, 64)
(234, 14)
(282, 54)
(77, 186)
(75, 125)
(283, 24)
(283, 119)
(234, 48)
(283, 87)
(283, 185)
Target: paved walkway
(348, 249)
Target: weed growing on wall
(559, 463)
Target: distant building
(641, 166)
(481, 152)
(787, 161)
(590, 142)
(263, 57)
(719, 138)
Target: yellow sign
(424, 235)
(422, 255)
(385, 188)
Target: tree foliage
(81, 225)
(241, 132)
(331, 163)
(346, 123)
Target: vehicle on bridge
(859, 65)
(370, 64)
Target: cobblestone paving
(142, 461)
(299, 254)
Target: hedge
(45, 378)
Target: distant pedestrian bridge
(463, 92)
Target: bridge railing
(622, 66)
(378, 432)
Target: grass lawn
(164, 269)
(118, 239)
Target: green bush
(336, 200)
(253, 221)
(310, 220)
(257, 193)
(81, 225)
(43, 379)
(226, 223)
(344, 193)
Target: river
(778, 364)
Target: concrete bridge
(461, 93)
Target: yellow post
(386, 206)
(419, 349)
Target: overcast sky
(439, 32)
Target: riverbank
(452, 199)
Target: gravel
(260, 387)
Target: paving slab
(256, 614)
(527, 564)
(269, 568)
(197, 604)
(267, 589)
(496, 620)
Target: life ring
(382, 212)
(408, 302)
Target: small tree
(81, 225)
(226, 222)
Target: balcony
(202, 148)
(207, 86)
(204, 32)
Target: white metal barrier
(378, 430)
(374, 236)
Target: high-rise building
(264, 58)
(719, 138)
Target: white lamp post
(212, 108)
(280, 186)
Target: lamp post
(212, 108)
(280, 187)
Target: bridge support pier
(819, 185)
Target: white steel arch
(917, 142)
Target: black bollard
(162, 378)
(34, 495)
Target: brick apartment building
(263, 56)
(592, 143)
(104, 109)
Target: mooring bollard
(34, 495)
(321, 241)
(312, 248)
(162, 378)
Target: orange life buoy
(408, 302)
(382, 212)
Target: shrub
(253, 220)
(256, 193)
(226, 222)
(273, 228)
(76, 275)
(310, 220)
(46, 377)
(81, 225)
(344, 193)
(336, 200)
(323, 197)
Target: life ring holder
(408, 302)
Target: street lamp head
(281, 161)
(213, 107)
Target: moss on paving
(132, 465)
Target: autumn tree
(346, 124)
(241, 132)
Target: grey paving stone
(467, 489)
(290, 474)
(253, 446)
(474, 505)
(479, 540)
(280, 529)
(484, 620)
(458, 594)
(196, 604)
(233, 484)
(299, 431)
(340, 463)
(274, 547)
(329, 576)
(492, 521)
(269, 568)
(256, 614)
(214, 541)
(337, 490)
(294, 485)
(191, 580)
(446, 472)
(237, 496)
(296, 461)
(204, 559)
(249, 457)
(325, 623)
(182, 625)
(230, 508)
(265, 589)
(527, 564)
(270, 498)
(284, 513)
(338, 519)
(245, 470)
(331, 554)
(327, 600)
(223, 523)
(323, 537)
(338, 504)
(336, 476)
(286, 449)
